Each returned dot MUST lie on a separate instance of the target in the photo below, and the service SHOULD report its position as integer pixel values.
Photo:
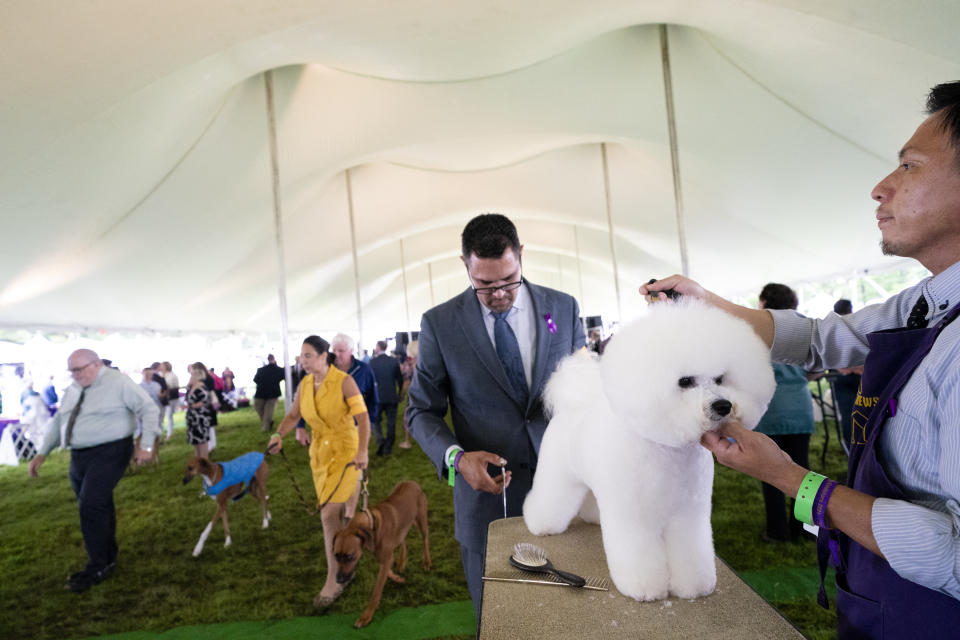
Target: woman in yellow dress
(328, 400)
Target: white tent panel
(135, 184)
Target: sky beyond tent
(136, 182)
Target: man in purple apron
(895, 537)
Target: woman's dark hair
(946, 98)
(321, 346)
(488, 236)
(778, 296)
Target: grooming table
(514, 610)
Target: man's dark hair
(945, 98)
(270, 358)
(778, 296)
(842, 307)
(382, 345)
(488, 236)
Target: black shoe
(83, 580)
(380, 450)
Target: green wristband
(451, 465)
(803, 507)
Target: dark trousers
(780, 524)
(386, 443)
(94, 472)
(473, 571)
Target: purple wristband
(820, 503)
(456, 461)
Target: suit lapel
(475, 331)
(540, 308)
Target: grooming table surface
(514, 610)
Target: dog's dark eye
(718, 380)
(686, 382)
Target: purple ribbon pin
(551, 325)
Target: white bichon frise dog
(627, 428)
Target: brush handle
(570, 578)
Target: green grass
(273, 575)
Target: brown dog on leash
(229, 481)
(381, 530)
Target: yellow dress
(334, 436)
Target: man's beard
(890, 249)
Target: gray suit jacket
(457, 366)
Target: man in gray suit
(487, 354)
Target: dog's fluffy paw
(196, 550)
(227, 542)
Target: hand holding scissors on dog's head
(672, 287)
(754, 454)
(473, 468)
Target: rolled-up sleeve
(921, 545)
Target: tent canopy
(135, 173)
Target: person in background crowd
(156, 373)
(152, 387)
(389, 379)
(100, 411)
(50, 396)
(173, 396)
(342, 347)
(788, 421)
(200, 413)
(847, 383)
(267, 379)
(407, 366)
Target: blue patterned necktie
(508, 349)
(918, 315)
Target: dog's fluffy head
(683, 369)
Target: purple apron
(872, 600)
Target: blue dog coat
(236, 471)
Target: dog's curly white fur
(622, 447)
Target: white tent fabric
(135, 180)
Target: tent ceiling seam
(169, 173)
(788, 104)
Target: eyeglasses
(510, 286)
(76, 370)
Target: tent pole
(278, 231)
(430, 278)
(674, 151)
(576, 244)
(613, 243)
(403, 275)
(356, 262)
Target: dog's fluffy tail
(574, 386)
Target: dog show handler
(329, 400)
(486, 355)
(893, 532)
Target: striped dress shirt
(920, 446)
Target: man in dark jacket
(389, 378)
(267, 379)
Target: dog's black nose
(721, 407)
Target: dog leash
(296, 485)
